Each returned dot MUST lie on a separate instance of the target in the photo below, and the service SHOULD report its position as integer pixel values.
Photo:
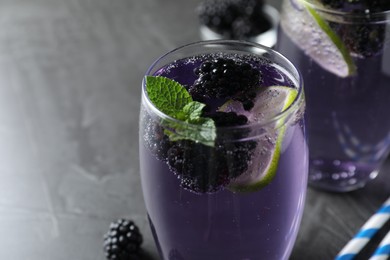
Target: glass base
(340, 176)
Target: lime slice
(261, 170)
(310, 32)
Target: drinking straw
(366, 232)
(383, 250)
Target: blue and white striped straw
(383, 250)
(367, 231)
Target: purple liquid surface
(347, 118)
(225, 224)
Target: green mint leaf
(204, 132)
(208, 132)
(173, 99)
(193, 110)
(167, 95)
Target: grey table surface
(70, 76)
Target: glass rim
(375, 16)
(294, 106)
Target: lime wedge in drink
(270, 101)
(312, 33)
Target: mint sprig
(173, 99)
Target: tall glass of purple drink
(227, 181)
(342, 49)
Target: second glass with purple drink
(223, 152)
(342, 49)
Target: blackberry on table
(122, 241)
(223, 78)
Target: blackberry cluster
(235, 19)
(363, 39)
(218, 79)
(190, 161)
(224, 78)
(122, 241)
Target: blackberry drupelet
(246, 98)
(235, 19)
(122, 241)
(224, 78)
(190, 161)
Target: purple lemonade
(242, 195)
(347, 95)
